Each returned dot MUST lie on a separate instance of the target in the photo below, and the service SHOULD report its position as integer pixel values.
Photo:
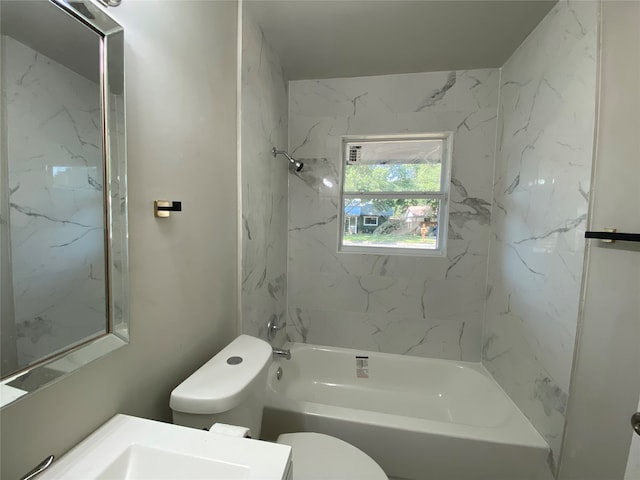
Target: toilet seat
(321, 457)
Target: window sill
(386, 250)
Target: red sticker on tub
(362, 367)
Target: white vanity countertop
(135, 448)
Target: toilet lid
(317, 457)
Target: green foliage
(394, 178)
(398, 240)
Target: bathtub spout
(282, 353)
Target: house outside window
(395, 194)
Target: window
(395, 192)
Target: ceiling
(348, 38)
(49, 30)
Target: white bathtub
(418, 418)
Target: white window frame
(442, 195)
(369, 217)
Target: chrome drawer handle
(41, 467)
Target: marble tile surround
(264, 184)
(542, 181)
(423, 306)
(532, 214)
(507, 292)
(55, 201)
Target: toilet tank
(229, 388)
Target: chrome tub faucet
(281, 353)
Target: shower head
(292, 160)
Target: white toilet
(230, 389)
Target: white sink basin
(144, 462)
(134, 448)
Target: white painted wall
(606, 379)
(181, 119)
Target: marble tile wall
(55, 202)
(423, 306)
(542, 181)
(264, 184)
